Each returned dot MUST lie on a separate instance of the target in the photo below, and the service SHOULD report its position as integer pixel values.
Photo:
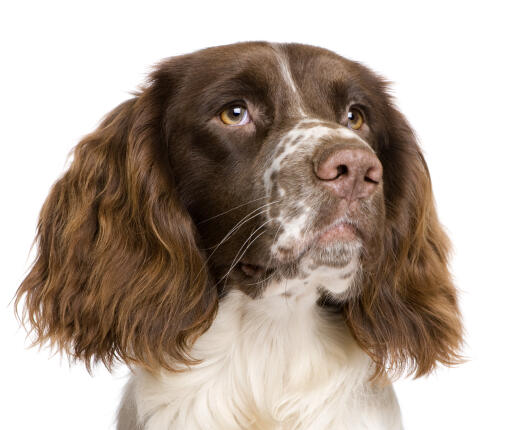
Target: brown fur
(406, 317)
(119, 273)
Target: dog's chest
(278, 362)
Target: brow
(247, 84)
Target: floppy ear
(407, 316)
(118, 274)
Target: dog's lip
(340, 230)
(343, 230)
(254, 267)
(251, 270)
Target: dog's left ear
(407, 316)
(118, 274)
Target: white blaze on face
(288, 79)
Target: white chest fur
(277, 362)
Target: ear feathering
(118, 275)
(407, 317)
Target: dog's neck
(277, 361)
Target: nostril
(353, 173)
(374, 174)
(341, 170)
(371, 177)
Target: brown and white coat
(254, 234)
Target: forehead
(263, 55)
(273, 70)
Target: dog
(254, 235)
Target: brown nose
(353, 173)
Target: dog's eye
(235, 115)
(355, 119)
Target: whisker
(271, 275)
(232, 209)
(273, 272)
(248, 243)
(233, 265)
(238, 225)
(236, 260)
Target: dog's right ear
(118, 274)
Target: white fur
(291, 231)
(276, 362)
(286, 74)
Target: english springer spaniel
(254, 234)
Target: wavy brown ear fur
(117, 273)
(407, 316)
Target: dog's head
(239, 167)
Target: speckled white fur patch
(296, 142)
(302, 139)
(305, 289)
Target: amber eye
(355, 119)
(235, 115)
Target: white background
(64, 66)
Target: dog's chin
(335, 254)
(336, 248)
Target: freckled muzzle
(321, 175)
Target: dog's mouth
(252, 270)
(344, 231)
(325, 246)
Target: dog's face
(277, 161)
(243, 166)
